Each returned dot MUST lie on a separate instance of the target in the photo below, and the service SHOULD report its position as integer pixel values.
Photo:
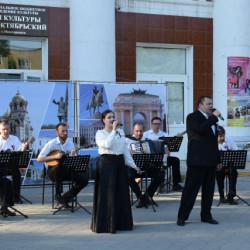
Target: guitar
(182, 133)
(30, 140)
(52, 163)
(246, 146)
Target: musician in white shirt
(62, 144)
(12, 143)
(226, 143)
(135, 145)
(154, 134)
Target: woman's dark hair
(104, 113)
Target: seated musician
(226, 143)
(12, 143)
(6, 196)
(154, 134)
(157, 176)
(49, 153)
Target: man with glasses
(154, 134)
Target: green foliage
(11, 63)
(49, 126)
(4, 48)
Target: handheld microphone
(220, 116)
(118, 124)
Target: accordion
(148, 147)
(141, 147)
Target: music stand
(147, 163)
(21, 159)
(8, 160)
(234, 159)
(73, 165)
(173, 144)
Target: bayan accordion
(148, 147)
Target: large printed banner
(238, 91)
(34, 109)
(130, 102)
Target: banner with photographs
(130, 102)
(24, 105)
(238, 91)
(33, 109)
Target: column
(92, 32)
(231, 39)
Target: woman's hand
(115, 124)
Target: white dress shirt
(55, 144)
(114, 143)
(12, 143)
(149, 134)
(228, 144)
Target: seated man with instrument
(137, 145)
(9, 143)
(226, 143)
(154, 134)
(51, 153)
(6, 196)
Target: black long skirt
(111, 205)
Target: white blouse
(114, 143)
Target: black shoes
(18, 200)
(223, 200)
(210, 221)
(5, 212)
(177, 187)
(231, 201)
(181, 222)
(59, 198)
(143, 202)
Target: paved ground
(152, 230)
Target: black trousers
(220, 177)
(198, 177)
(175, 163)
(157, 177)
(16, 181)
(6, 193)
(80, 180)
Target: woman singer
(111, 205)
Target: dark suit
(202, 159)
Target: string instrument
(246, 146)
(54, 162)
(182, 133)
(30, 140)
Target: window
(18, 54)
(24, 58)
(175, 100)
(160, 60)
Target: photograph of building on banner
(130, 102)
(238, 112)
(23, 106)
